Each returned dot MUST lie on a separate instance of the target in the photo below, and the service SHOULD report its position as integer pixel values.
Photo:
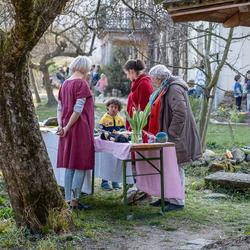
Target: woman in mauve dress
(75, 116)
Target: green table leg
(162, 181)
(93, 181)
(125, 200)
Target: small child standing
(112, 121)
(238, 91)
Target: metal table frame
(138, 149)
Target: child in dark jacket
(238, 91)
(112, 121)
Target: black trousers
(238, 102)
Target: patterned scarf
(156, 93)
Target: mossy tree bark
(26, 168)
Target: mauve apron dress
(76, 149)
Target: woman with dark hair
(141, 87)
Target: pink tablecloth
(151, 184)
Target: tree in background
(68, 36)
(211, 64)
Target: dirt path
(147, 238)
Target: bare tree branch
(223, 60)
(30, 23)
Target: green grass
(105, 220)
(219, 137)
(43, 112)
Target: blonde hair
(81, 64)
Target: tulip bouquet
(137, 122)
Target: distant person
(191, 89)
(200, 81)
(238, 92)
(67, 72)
(248, 90)
(90, 76)
(96, 75)
(111, 122)
(61, 75)
(102, 84)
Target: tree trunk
(34, 86)
(38, 78)
(176, 52)
(48, 86)
(184, 33)
(206, 109)
(210, 107)
(164, 49)
(203, 114)
(25, 165)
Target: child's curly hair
(114, 102)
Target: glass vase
(136, 137)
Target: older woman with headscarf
(171, 113)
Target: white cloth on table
(108, 167)
(108, 160)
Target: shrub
(116, 79)
(114, 72)
(238, 116)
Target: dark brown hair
(114, 102)
(237, 78)
(137, 65)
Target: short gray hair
(160, 71)
(81, 64)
